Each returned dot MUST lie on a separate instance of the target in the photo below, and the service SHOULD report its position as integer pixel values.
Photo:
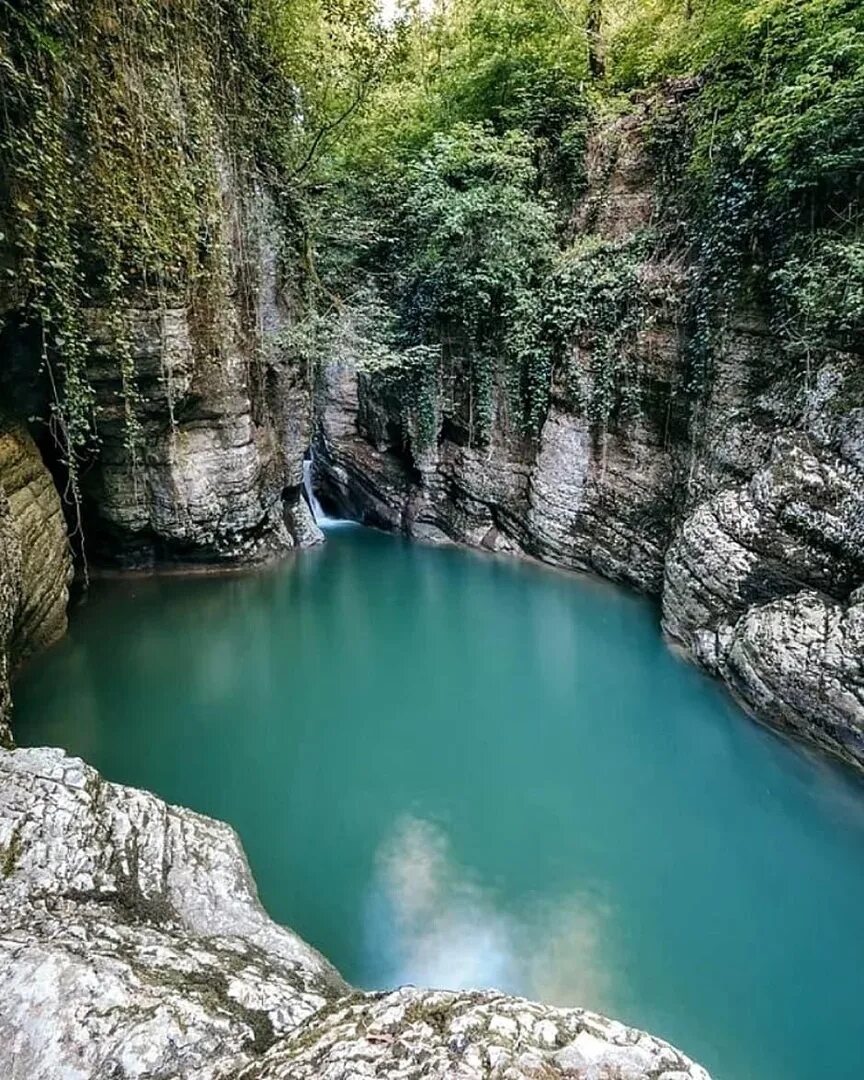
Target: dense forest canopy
(446, 215)
(428, 156)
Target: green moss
(12, 853)
(210, 987)
(436, 1015)
(121, 119)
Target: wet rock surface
(132, 945)
(798, 663)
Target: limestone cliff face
(760, 579)
(225, 420)
(132, 945)
(743, 511)
(144, 300)
(34, 557)
(148, 284)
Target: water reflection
(440, 926)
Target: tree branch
(330, 127)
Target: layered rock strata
(132, 945)
(214, 471)
(743, 510)
(35, 565)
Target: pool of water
(454, 770)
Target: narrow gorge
(743, 515)
(548, 280)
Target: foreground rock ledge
(132, 945)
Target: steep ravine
(133, 944)
(747, 522)
(132, 941)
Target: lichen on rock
(438, 1035)
(131, 937)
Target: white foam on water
(321, 518)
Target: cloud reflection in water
(435, 925)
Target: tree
(593, 32)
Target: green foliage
(478, 245)
(444, 207)
(758, 152)
(648, 40)
(512, 63)
(768, 188)
(109, 182)
(785, 91)
(596, 302)
(821, 289)
(427, 171)
(121, 121)
(446, 281)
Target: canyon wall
(741, 509)
(213, 471)
(149, 275)
(148, 279)
(35, 563)
(225, 418)
(132, 943)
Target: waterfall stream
(315, 506)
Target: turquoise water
(455, 770)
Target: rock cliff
(225, 419)
(741, 509)
(149, 274)
(147, 285)
(10, 585)
(133, 945)
(35, 566)
(132, 942)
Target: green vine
(602, 296)
(120, 121)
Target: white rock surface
(434, 1035)
(798, 662)
(132, 943)
(133, 947)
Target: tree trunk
(593, 26)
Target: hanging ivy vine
(119, 118)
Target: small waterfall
(317, 509)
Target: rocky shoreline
(744, 518)
(133, 945)
(759, 584)
(131, 938)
